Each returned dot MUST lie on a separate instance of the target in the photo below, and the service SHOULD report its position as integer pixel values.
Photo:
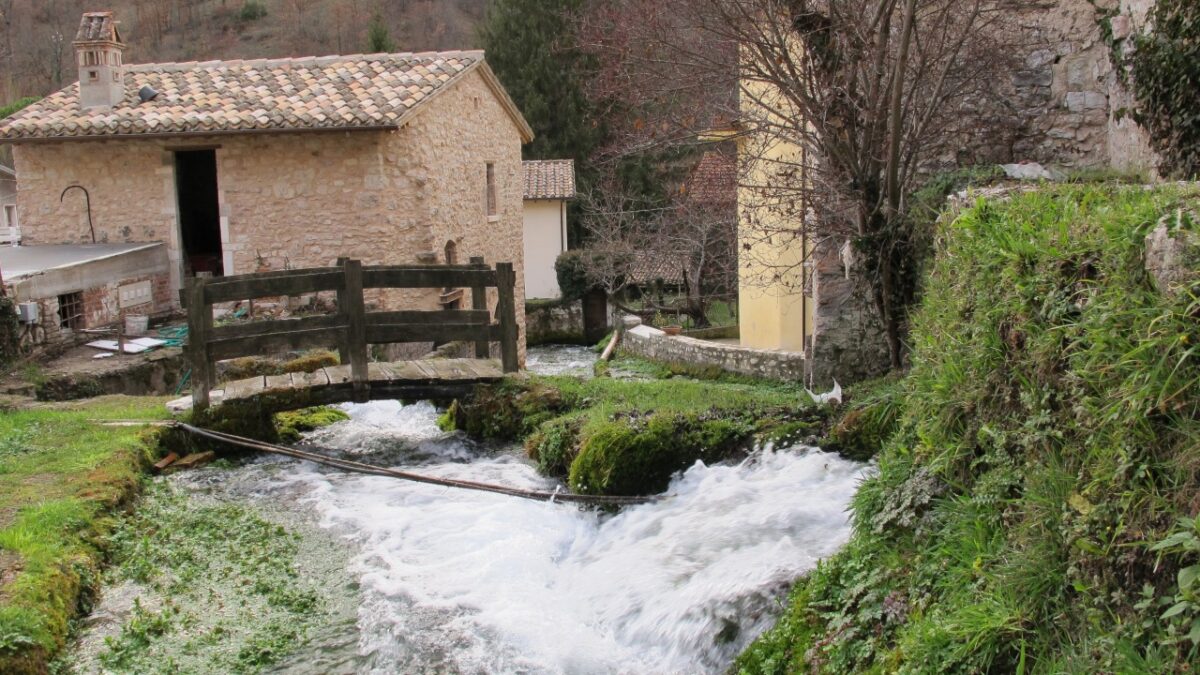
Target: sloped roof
(649, 266)
(375, 91)
(714, 180)
(550, 179)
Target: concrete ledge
(655, 345)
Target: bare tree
(842, 104)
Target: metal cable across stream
(359, 467)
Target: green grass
(61, 476)
(1044, 443)
(612, 436)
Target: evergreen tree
(379, 40)
(531, 46)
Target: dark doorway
(199, 211)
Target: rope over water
(371, 470)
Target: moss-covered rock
(291, 425)
(635, 455)
(608, 436)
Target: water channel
(438, 580)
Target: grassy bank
(1034, 509)
(610, 436)
(62, 476)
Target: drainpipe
(88, 198)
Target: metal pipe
(88, 198)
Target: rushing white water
(474, 582)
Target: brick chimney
(98, 50)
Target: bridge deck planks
(436, 378)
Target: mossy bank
(63, 478)
(1034, 507)
(626, 437)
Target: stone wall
(555, 323)
(451, 142)
(1060, 106)
(655, 345)
(848, 340)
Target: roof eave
(196, 134)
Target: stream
(440, 580)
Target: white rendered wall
(545, 239)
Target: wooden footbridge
(351, 330)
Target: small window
(116, 76)
(93, 75)
(70, 310)
(10, 215)
(451, 253)
(491, 190)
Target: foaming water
(473, 582)
(561, 360)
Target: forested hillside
(35, 43)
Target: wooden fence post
(506, 283)
(200, 324)
(343, 352)
(356, 332)
(479, 301)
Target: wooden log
(479, 303)
(165, 462)
(612, 346)
(506, 283)
(200, 323)
(356, 333)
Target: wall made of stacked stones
(453, 139)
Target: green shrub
(10, 334)
(252, 10)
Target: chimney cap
(147, 93)
(98, 27)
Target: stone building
(1062, 106)
(248, 166)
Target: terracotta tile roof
(550, 179)
(649, 266)
(333, 92)
(98, 27)
(714, 180)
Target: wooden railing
(352, 328)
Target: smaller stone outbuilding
(549, 185)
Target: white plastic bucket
(136, 324)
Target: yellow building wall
(773, 310)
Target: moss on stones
(608, 436)
(292, 424)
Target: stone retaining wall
(554, 323)
(655, 345)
